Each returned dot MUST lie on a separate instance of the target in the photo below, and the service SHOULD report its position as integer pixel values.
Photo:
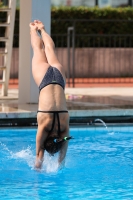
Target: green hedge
(63, 17)
(93, 14)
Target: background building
(6, 2)
(89, 3)
(92, 3)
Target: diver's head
(54, 144)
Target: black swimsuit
(52, 76)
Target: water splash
(5, 148)
(111, 133)
(25, 155)
(50, 164)
(100, 120)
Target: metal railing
(69, 30)
(96, 57)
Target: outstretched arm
(62, 153)
(40, 139)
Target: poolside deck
(84, 105)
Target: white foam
(111, 133)
(50, 164)
(25, 155)
(6, 148)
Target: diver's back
(52, 97)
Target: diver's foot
(33, 26)
(40, 26)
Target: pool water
(99, 165)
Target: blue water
(99, 165)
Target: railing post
(73, 53)
(73, 57)
(130, 2)
(96, 2)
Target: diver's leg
(39, 60)
(49, 48)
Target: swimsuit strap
(58, 119)
(60, 111)
(53, 122)
(55, 113)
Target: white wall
(30, 10)
(116, 3)
(104, 3)
(90, 3)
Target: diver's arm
(62, 153)
(40, 139)
(63, 150)
(39, 158)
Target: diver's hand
(38, 163)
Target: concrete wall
(91, 62)
(99, 62)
